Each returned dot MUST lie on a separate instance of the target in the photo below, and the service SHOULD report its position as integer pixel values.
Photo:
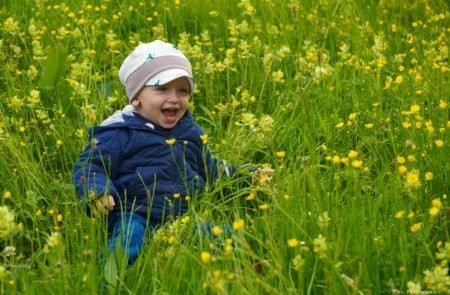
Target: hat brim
(168, 76)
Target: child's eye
(160, 88)
(183, 91)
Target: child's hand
(103, 205)
(262, 175)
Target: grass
(347, 100)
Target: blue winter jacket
(134, 161)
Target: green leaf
(54, 67)
(207, 118)
(111, 271)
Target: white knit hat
(155, 63)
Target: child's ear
(135, 102)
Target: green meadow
(349, 102)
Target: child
(144, 163)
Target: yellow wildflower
(238, 224)
(264, 206)
(53, 240)
(437, 279)
(7, 195)
(324, 220)
(298, 262)
(434, 211)
(216, 230)
(415, 109)
(352, 116)
(278, 76)
(352, 154)
(410, 145)
(320, 246)
(281, 154)
(416, 227)
(399, 79)
(205, 257)
(410, 39)
(436, 203)
(171, 240)
(170, 141)
(442, 104)
(414, 288)
(250, 197)
(340, 125)
(428, 176)
(185, 219)
(204, 138)
(228, 247)
(402, 169)
(7, 225)
(439, 143)
(357, 163)
(412, 179)
(369, 125)
(336, 159)
(230, 51)
(401, 160)
(399, 214)
(11, 26)
(388, 82)
(292, 243)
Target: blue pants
(131, 230)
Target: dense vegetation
(347, 100)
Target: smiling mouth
(170, 114)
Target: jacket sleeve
(96, 167)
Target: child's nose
(172, 95)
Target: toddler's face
(164, 105)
